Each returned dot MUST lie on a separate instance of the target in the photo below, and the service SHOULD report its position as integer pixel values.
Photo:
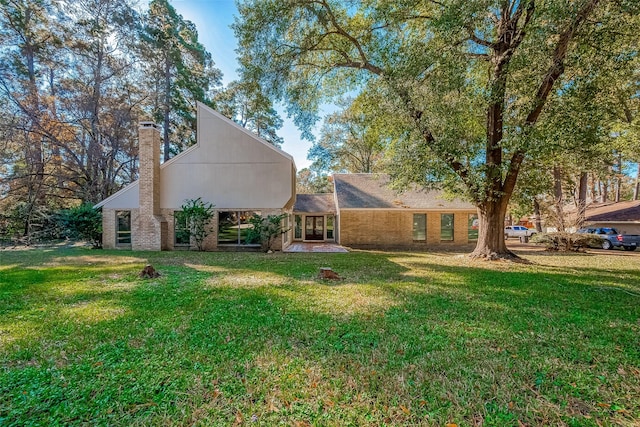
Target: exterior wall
(230, 168)
(109, 228)
(394, 228)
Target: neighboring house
(243, 175)
(364, 211)
(229, 167)
(623, 216)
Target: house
(228, 166)
(242, 175)
(364, 211)
(623, 216)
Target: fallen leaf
(451, 425)
(511, 405)
(405, 409)
(273, 407)
(604, 405)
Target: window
(446, 227)
(182, 236)
(298, 228)
(420, 227)
(474, 224)
(330, 227)
(123, 228)
(234, 228)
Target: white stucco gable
(229, 167)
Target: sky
(213, 19)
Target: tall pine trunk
(167, 110)
(582, 200)
(537, 216)
(558, 197)
(636, 189)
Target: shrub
(266, 229)
(198, 215)
(567, 242)
(82, 222)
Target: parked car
(613, 239)
(518, 231)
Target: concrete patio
(315, 247)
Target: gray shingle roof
(322, 202)
(621, 211)
(372, 191)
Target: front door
(314, 228)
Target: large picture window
(234, 226)
(473, 227)
(123, 228)
(446, 227)
(420, 227)
(181, 229)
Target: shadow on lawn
(452, 343)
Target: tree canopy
(467, 82)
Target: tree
(82, 222)
(244, 103)
(98, 95)
(198, 215)
(26, 37)
(181, 72)
(352, 139)
(265, 230)
(310, 182)
(468, 80)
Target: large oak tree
(467, 79)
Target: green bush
(265, 230)
(198, 215)
(567, 242)
(83, 222)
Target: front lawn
(252, 338)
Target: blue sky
(213, 18)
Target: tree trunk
(636, 190)
(491, 243)
(582, 200)
(167, 110)
(557, 192)
(605, 191)
(536, 214)
(619, 179)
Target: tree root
(495, 256)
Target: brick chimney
(149, 233)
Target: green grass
(251, 338)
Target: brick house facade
(242, 175)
